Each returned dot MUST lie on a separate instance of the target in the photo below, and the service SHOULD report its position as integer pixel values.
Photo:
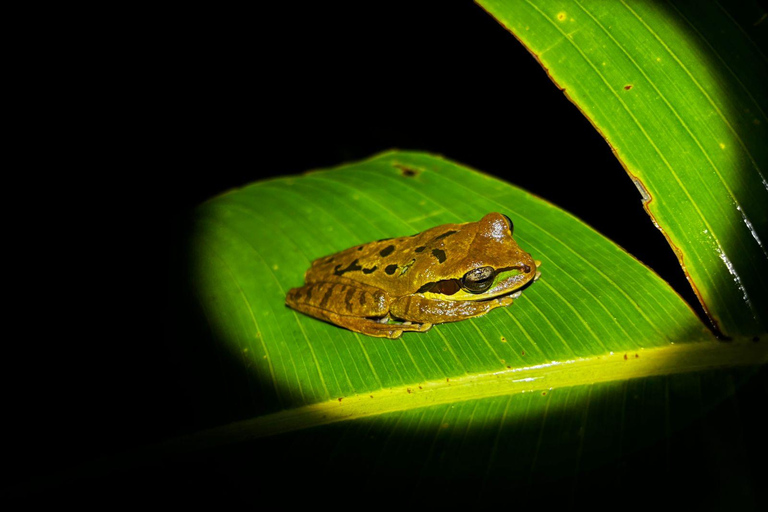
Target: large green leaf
(597, 359)
(679, 91)
(255, 243)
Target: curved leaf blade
(255, 243)
(677, 89)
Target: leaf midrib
(671, 359)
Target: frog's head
(482, 261)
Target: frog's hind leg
(367, 326)
(357, 307)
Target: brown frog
(444, 274)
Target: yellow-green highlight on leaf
(253, 244)
(672, 359)
(678, 90)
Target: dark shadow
(216, 133)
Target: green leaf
(678, 90)
(597, 359)
(254, 244)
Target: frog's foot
(377, 327)
(396, 328)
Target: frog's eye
(478, 280)
(509, 221)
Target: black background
(209, 99)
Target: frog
(447, 273)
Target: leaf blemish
(407, 171)
(628, 87)
(645, 196)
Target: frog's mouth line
(453, 287)
(504, 274)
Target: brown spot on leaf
(408, 172)
(627, 87)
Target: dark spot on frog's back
(391, 269)
(370, 270)
(439, 254)
(446, 234)
(351, 268)
(419, 249)
(387, 251)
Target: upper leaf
(678, 90)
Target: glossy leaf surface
(678, 90)
(255, 244)
(597, 360)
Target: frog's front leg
(357, 307)
(418, 308)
